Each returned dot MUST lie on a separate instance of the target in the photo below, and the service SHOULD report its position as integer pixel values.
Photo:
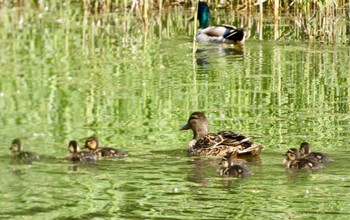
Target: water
(59, 83)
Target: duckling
(76, 155)
(92, 144)
(217, 144)
(305, 151)
(219, 33)
(17, 153)
(231, 167)
(293, 161)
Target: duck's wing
(112, 152)
(234, 139)
(215, 31)
(227, 138)
(243, 144)
(209, 140)
(25, 155)
(220, 150)
(224, 143)
(305, 164)
(226, 31)
(320, 157)
(253, 150)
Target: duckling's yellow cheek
(112, 151)
(70, 149)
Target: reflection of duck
(219, 33)
(305, 151)
(93, 144)
(217, 144)
(222, 54)
(202, 169)
(231, 167)
(76, 155)
(19, 155)
(295, 162)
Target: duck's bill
(185, 127)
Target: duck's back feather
(111, 152)
(221, 34)
(236, 170)
(319, 157)
(224, 143)
(306, 164)
(25, 155)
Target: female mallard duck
(231, 167)
(217, 144)
(295, 162)
(305, 151)
(93, 144)
(219, 33)
(17, 153)
(76, 155)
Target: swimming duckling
(305, 151)
(294, 161)
(232, 167)
(217, 144)
(76, 155)
(93, 144)
(19, 155)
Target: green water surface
(71, 78)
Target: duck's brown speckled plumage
(19, 155)
(305, 152)
(76, 155)
(92, 144)
(233, 167)
(217, 144)
(293, 161)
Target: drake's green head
(203, 15)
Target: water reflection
(202, 169)
(216, 54)
(75, 81)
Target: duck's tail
(237, 35)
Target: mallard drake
(232, 167)
(305, 151)
(92, 144)
(17, 153)
(219, 33)
(217, 144)
(76, 155)
(295, 162)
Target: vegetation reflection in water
(68, 80)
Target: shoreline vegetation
(324, 21)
